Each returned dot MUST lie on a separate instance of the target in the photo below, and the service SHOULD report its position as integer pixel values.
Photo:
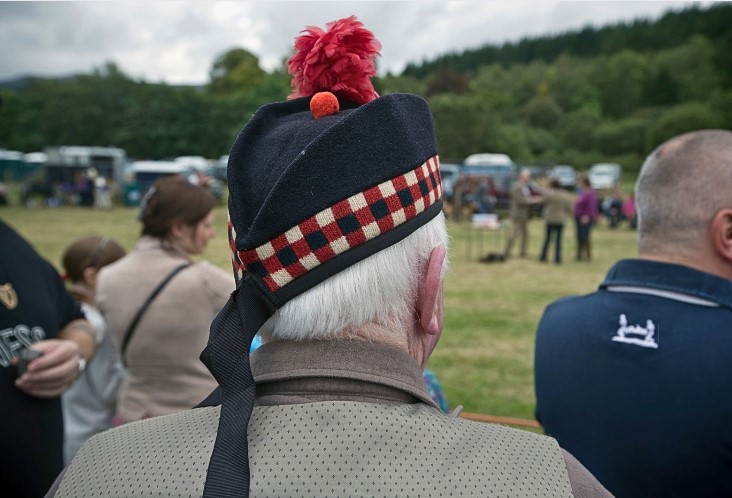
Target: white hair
(680, 188)
(381, 289)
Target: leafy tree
(542, 112)
(671, 30)
(399, 84)
(236, 70)
(721, 100)
(686, 72)
(493, 85)
(447, 81)
(511, 139)
(544, 146)
(11, 106)
(620, 81)
(462, 123)
(681, 119)
(575, 130)
(622, 137)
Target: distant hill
(670, 30)
(21, 83)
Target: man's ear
(429, 293)
(722, 234)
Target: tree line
(605, 94)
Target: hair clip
(143, 203)
(97, 254)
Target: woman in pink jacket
(585, 215)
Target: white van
(604, 176)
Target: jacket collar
(150, 243)
(670, 277)
(324, 370)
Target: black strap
(145, 305)
(227, 357)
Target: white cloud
(177, 41)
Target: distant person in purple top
(585, 214)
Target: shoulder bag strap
(143, 308)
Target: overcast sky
(177, 41)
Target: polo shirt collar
(670, 277)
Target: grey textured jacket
(378, 434)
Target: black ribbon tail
(227, 357)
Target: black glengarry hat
(316, 184)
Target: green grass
(485, 357)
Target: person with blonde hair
(159, 302)
(88, 406)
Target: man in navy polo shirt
(634, 379)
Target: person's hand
(51, 374)
(584, 219)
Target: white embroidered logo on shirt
(646, 334)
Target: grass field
(485, 357)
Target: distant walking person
(558, 205)
(585, 215)
(521, 201)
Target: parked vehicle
(565, 174)
(604, 176)
(218, 168)
(488, 159)
(448, 175)
(145, 173)
(485, 181)
(67, 173)
(537, 171)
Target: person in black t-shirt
(36, 312)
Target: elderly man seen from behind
(339, 249)
(634, 379)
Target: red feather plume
(339, 60)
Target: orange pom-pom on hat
(324, 104)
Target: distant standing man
(634, 379)
(558, 205)
(521, 201)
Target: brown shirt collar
(289, 372)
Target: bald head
(682, 185)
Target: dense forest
(605, 94)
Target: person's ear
(429, 298)
(90, 277)
(722, 234)
(177, 231)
